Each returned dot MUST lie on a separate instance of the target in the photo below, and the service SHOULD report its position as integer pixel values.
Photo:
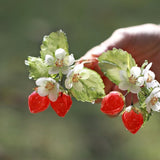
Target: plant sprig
(57, 75)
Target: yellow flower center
(132, 79)
(154, 101)
(75, 78)
(149, 79)
(49, 86)
(59, 63)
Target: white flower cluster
(60, 63)
(139, 77)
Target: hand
(142, 41)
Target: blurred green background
(85, 133)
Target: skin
(142, 42)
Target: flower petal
(70, 73)
(124, 85)
(49, 60)
(60, 53)
(65, 70)
(155, 90)
(71, 59)
(148, 85)
(68, 60)
(148, 107)
(78, 68)
(140, 81)
(135, 71)
(135, 89)
(41, 81)
(53, 95)
(149, 76)
(157, 95)
(148, 99)
(51, 80)
(123, 75)
(153, 84)
(68, 83)
(156, 107)
(42, 91)
(147, 68)
(53, 70)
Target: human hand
(142, 41)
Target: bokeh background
(85, 133)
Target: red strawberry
(132, 120)
(112, 103)
(62, 105)
(37, 103)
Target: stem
(126, 93)
(131, 99)
(60, 76)
(61, 82)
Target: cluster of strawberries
(38, 103)
(112, 104)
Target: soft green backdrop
(85, 133)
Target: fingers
(90, 59)
(119, 39)
(136, 41)
(93, 53)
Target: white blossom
(149, 77)
(147, 68)
(60, 63)
(152, 101)
(133, 82)
(74, 76)
(153, 84)
(47, 86)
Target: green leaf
(52, 42)
(112, 61)
(146, 115)
(92, 87)
(37, 68)
(143, 94)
